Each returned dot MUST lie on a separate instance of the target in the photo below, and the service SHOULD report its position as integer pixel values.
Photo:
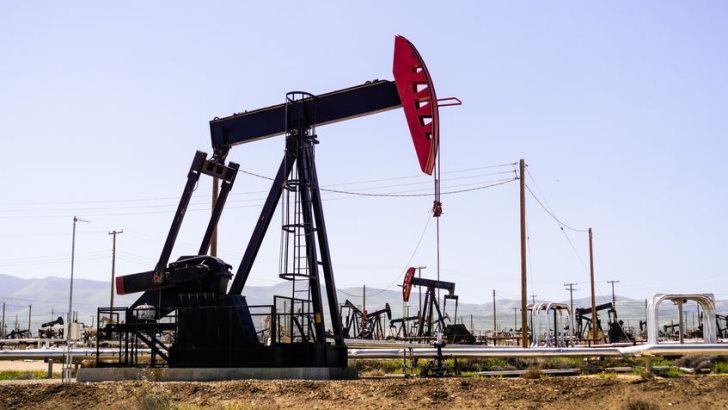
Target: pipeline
(662, 349)
(40, 354)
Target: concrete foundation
(214, 374)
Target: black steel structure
(429, 323)
(358, 324)
(187, 315)
(405, 327)
(615, 333)
(722, 328)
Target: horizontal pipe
(666, 349)
(485, 352)
(41, 354)
(662, 349)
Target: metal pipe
(705, 300)
(488, 352)
(38, 354)
(662, 349)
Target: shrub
(638, 404)
(150, 398)
(533, 372)
(720, 367)
(673, 372)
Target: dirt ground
(583, 392)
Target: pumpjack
(432, 319)
(52, 329)
(363, 324)
(615, 333)
(197, 298)
(404, 327)
(722, 328)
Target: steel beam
(365, 99)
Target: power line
(171, 208)
(25, 210)
(502, 182)
(559, 221)
(414, 252)
(583, 264)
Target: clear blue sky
(619, 108)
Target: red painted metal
(407, 284)
(418, 101)
(120, 285)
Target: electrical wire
(417, 195)
(547, 208)
(409, 261)
(396, 178)
(583, 264)
(204, 207)
(204, 202)
(559, 221)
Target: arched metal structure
(540, 319)
(705, 300)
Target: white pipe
(705, 300)
(662, 349)
(39, 354)
(642, 350)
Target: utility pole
(30, 316)
(515, 319)
(614, 301)
(113, 273)
(570, 288)
(2, 328)
(92, 320)
(593, 297)
(533, 299)
(524, 291)
(68, 363)
(364, 299)
(495, 323)
(215, 194)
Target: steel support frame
(300, 153)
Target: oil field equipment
(19, 334)
(706, 301)
(192, 312)
(404, 328)
(542, 332)
(432, 318)
(722, 328)
(360, 324)
(52, 329)
(615, 333)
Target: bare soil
(584, 392)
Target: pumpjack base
(201, 374)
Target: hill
(49, 299)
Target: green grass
(662, 362)
(26, 374)
(607, 375)
(720, 367)
(380, 367)
(673, 372)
